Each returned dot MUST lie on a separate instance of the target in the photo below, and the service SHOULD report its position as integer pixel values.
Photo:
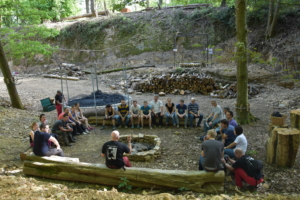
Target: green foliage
(123, 3)
(179, 70)
(183, 189)
(225, 15)
(124, 184)
(252, 153)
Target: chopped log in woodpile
(66, 169)
(59, 77)
(295, 119)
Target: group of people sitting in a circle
(226, 143)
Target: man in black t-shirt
(113, 152)
(61, 127)
(58, 102)
(241, 171)
(41, 146)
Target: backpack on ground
(255, 167)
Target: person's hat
(58, 91)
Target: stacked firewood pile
(230, 91)
(171, 83)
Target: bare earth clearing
(178, 151)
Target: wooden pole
(295, 119)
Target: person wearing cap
(58, 102)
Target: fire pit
(144, 147)
(102, 99)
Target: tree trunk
(93, 9)
(223, 3)
(295, 119)
(242, 106)
(272, 19)
(9, 80)
(148, 3)
(87, 6)
(66, 169)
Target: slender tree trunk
(148, 3)
(87, 6)
(223, 3)
(241, 61)
(9, 80)
(272, 18)
(93, 9)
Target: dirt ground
(178, 151)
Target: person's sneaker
(102, 127)
(114, 127)
(150, 127)
(206, 124)
(185, 126)
(141, 127)
(126, 126)
(132, 126)
(138, 126)
(120, 126)
(178, 126)
(84, 133)
(197, 138)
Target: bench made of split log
(64, 168)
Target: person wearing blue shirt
(194, 112)
(181, 112)
(227, 132)
(145, 113)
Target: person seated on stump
(170, 112)
(212, 152)
(34, 128)
(157, 111)
(41, 145)
(109, 115)
(135, 113)
(227, 132)
(113, 152)
(81, 117)
(214, 117)
(194, 112)
(80, 127)
(241, 170)
(123, 114)
(145, 113)
(62, 128)
(240, 142)
(43, 119)
(181, 112)
(229, 117)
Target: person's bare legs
(131, 119)
(113, 122)
(142, 121)
(150, 121)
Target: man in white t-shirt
(215, 116)
(135, 113)
(157, 110)
(240, 142)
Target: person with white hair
(194, 112)
(113, 152)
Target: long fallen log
(118, 69)
(59, 77)
(85, 15)
(53, 168)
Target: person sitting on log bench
(113, 152)
(135, 113)
(62, 128)
(212, 152)
(170, 112)
(227, 132)
(82, 118)
(145, 113)
(41, 139)
(229, 117)
(241, 169)
(240, 142)
(123, 114)
(43, 119)
(34, 128)
(80, 127)
(72, 123)
(194, 112)
(109, 115)
(157, 111)
(214, 117)
(181, 112)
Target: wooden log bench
(64, 168)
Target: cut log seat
(63, 168)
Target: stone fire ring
(145, 156)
